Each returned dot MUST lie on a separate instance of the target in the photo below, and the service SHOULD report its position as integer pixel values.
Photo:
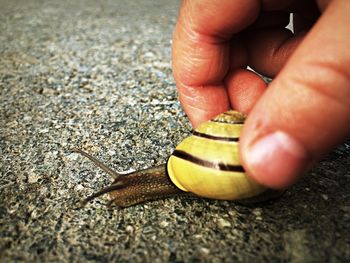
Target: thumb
(305, 111)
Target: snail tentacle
(108, 189)
(98, 163)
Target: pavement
(97, 75)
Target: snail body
(205, 164)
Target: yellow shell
(207, 162)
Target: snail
(205, 164)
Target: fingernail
(276, 160)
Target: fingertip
(244, 89)
(276, 160)
(202, 103)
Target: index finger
(201, 52)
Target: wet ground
(97, 75)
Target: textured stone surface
(97, 75)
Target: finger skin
(269, 49)
(306, 110)
(200, 47)
(201, 53)
(203, 103)
(244, 89)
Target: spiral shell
(207, 163)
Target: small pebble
(163, 224)
(33, 177)
(223, 223)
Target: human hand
(304, 112)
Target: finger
(201, 52)
(244, 89)
(200, 47)
(305, 111)
(203, 103)
(269, 49)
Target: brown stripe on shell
(218, 166)
(215, 138)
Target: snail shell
(205, 164)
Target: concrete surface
(97, 75)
